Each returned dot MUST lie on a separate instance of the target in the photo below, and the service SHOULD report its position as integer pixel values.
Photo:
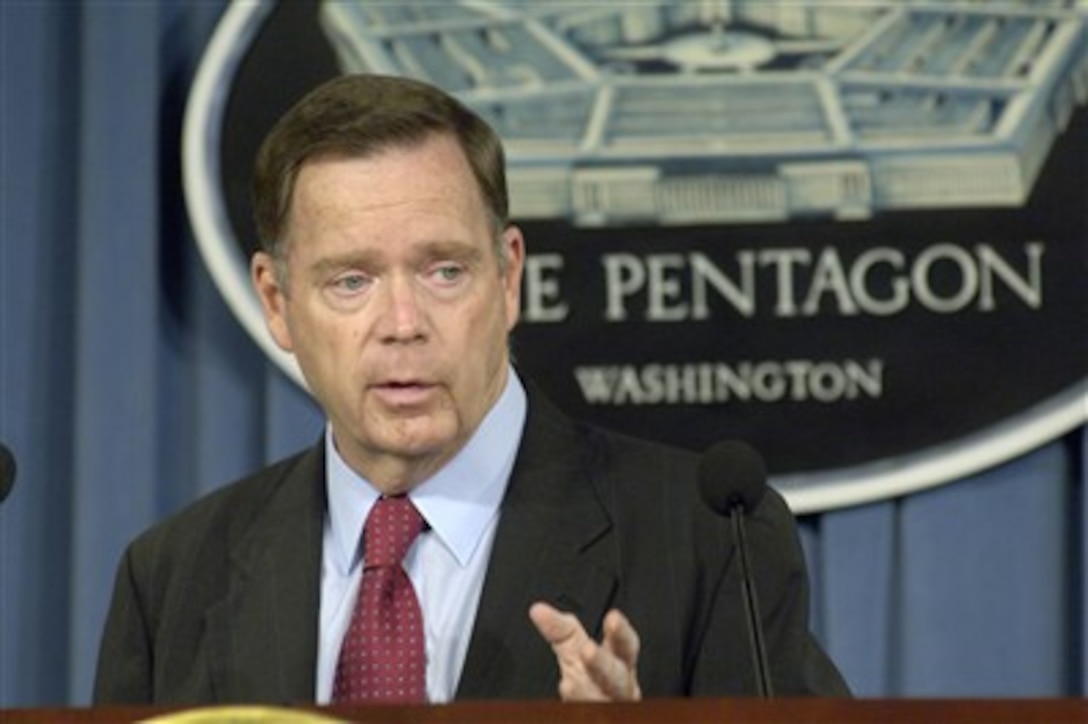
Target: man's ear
(513, 247)
(273, 296)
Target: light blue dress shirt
(447, 562)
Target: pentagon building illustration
(702, 112)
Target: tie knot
(391, 527)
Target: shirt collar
(458, 502)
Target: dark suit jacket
(220, 602)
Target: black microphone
(7, 471)
(732, 480)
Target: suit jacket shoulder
(219, 602)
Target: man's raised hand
(591, 670)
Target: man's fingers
(556, 627)
(568, 640)
(610, 675)
(591, 671)
(613, 664)
(621, 638)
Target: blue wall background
(127, 389)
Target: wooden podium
(656, 711)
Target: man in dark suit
(555, 558)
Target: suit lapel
(262, 638)
(554, 544)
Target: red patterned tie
(381, 657)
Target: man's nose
(402, 316)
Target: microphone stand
(756, 644)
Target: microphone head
(7, 471)
(731, 474)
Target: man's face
(395, 304)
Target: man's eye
(351, 283)
(448, 272)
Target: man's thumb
(555, 626)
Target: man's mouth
(403, 393)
